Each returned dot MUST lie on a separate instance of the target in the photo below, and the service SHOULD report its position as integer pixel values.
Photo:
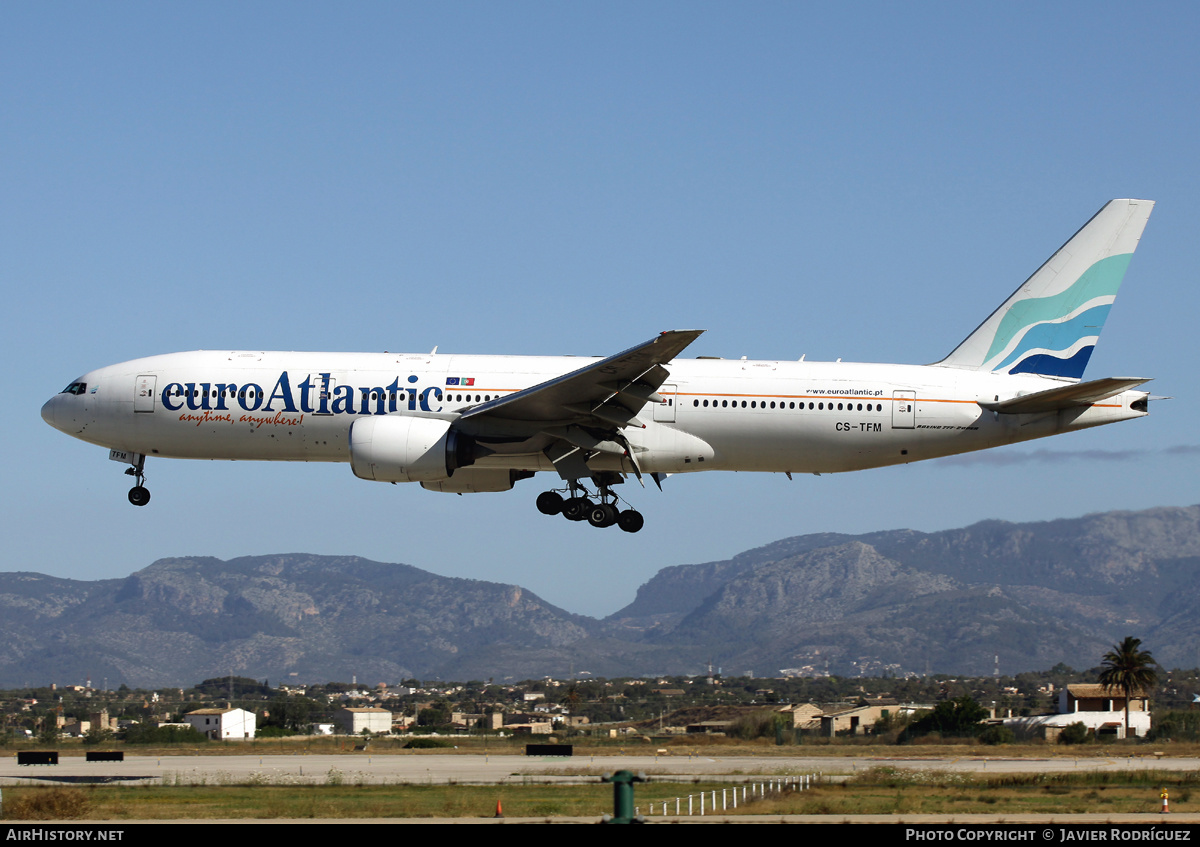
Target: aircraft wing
(582, 413)
(604, 394)
(1065, 397)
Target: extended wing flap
(1065, 397)
(632, 375)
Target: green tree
(98, 735)
(219, 686)
(1177, 726)
(1075, 733)
(295, 714)
(997, 734)
(437, 714)
(1128, 669)
(572, 700)
(49, 733)
(147, 734)
(950, 718)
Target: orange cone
(1165, 810)
(499, 810)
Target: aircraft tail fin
(1050, 325)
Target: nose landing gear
(580, 507)
(138, 495)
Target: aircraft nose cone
(48, 411)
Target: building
(225, 724)
(530, 728)
(495, 720)
(1100, 709)
(803, 715)
(857, 720)
(708, 728)
(354, 721)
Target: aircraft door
(665, 411)
(904, 410)
(143, 393)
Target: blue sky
(865, 181)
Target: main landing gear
(579, 506)
(138, 495)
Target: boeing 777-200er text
(464, 424)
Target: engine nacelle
(399, 448)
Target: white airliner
(464, 424)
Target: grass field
(884, 791)
(880, 791)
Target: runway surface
(431, 768)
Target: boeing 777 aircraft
(464, 424)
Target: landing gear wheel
(603, 515)
(576, 508)
(549, 503)
(630, 521)
(139, 496)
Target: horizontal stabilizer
(1064, 397)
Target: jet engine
(399, 448)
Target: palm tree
(1129, 669)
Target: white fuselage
(731, 415)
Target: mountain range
(1025, 595)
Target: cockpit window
(75, 388)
